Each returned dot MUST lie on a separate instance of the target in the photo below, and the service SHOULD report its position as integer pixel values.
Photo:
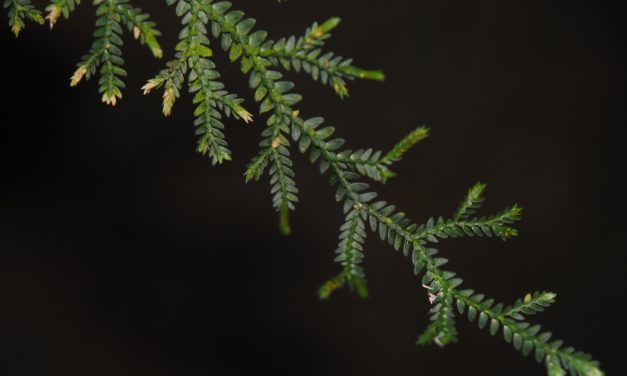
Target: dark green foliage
(204, 22)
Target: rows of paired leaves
(262, 59)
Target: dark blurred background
(123, 252)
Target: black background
(123, 252)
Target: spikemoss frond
(471, 202)
(530, 305)
(375, 164)
(401, 233)
(262, 60)
(404, 145)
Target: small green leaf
(494, 326)
(483, 319)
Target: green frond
(305, 54)
(373, 165)
(283, 189)
(530, 304)
(202, 82)
(18, 11)
(374, 75)
(350, 255)
(405, 144)
(257, 166)
(400, 232)
(471, 203)
(58, 8)
(524, 336)
(496, 225)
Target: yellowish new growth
(54, 12)
(319, 32)
(152, 83)
(156, 51)
(169, 96)
(341, 90)
(276, 143)
(111, 99)
(245, 115)
(16, 29)
(315, 35)
(78, 75)
(593, 371)
(328, 288)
